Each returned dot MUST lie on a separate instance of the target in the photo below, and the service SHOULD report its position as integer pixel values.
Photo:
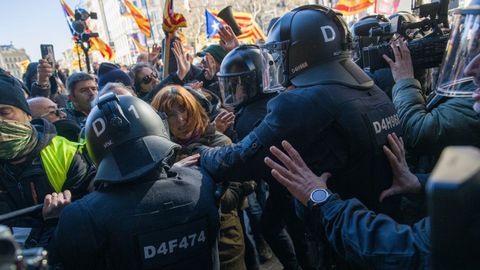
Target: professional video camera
(427, 51)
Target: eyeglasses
(57, 112)
(148, 79)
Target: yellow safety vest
(56, 158)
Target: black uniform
(336, 129)
(160, 222)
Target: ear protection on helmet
(114, 116)
(286, 23)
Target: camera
(426, 39)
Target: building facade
(116, 27)
(10, 57)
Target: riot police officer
(143, 215)
(331, 111)
(240, 76)
(331, 107)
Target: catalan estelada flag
(139, 17)
(95, 42)
(171, 20)
(352, 7)
(251, 31)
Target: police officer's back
(332, 111)
(142, 216)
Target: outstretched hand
(224, 120)
(295, 174)
(153, 56)
(228, 40)
(187, 162)
(183, 64)
(402, 67)
(403, 180)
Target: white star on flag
(216, 26)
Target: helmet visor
(274, 64)
(462, 47)
(235, 88)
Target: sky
(29, 23)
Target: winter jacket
(54, 165)
(371, 241)
(427, 132)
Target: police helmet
(241, 76)
(310, 45)
(126, 138)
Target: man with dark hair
(34, 161)
(82, 90)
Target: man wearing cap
(112, 73)
(34, 161)
(82, 90)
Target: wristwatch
(318, 197)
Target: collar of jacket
(71, 108)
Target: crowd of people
(224, 163)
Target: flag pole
(150, 23)
(166, 54)
(148, 49)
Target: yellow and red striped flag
(251, 31)
(352, 7)
(139, 17)
(95, 42)
(171, 20)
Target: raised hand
(224, 120)
(403, 180)
(183, 65)
(228, 40)
(295, 174)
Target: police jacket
(54, 165)
(428, 132)
(335, 128)
(371, 241)
(250, 115)
(158, 222)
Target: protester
(42, 107)
(145, 79)
(112, 73)
(190, 126)
(34, 161)
(82, 90)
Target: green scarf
(17, 139)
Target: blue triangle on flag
(213, 25)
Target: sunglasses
(148, 79)
(57, 112)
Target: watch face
(319, 195)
